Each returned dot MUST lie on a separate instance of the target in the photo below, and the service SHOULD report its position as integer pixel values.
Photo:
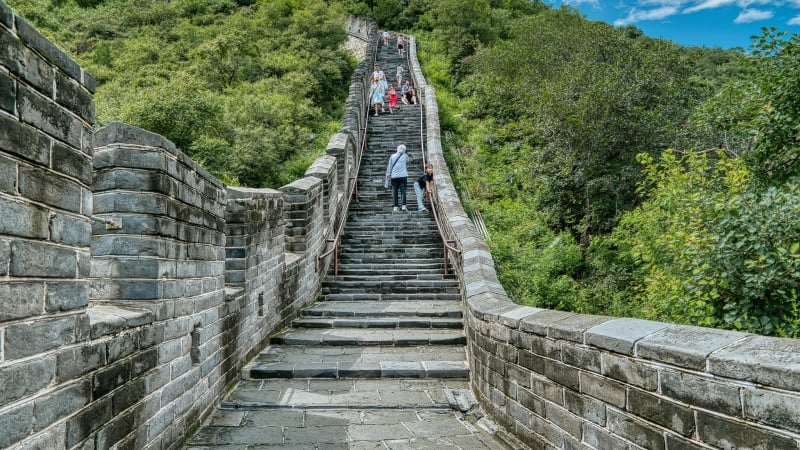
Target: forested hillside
(617, 174)
(250, 89)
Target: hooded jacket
(397, 164)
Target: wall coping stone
(49, 50)
(110, 319)
(539, 323)
(620, 335)
(6, 15)
(574, 327)
(760, 359)
(686, 346)
(512, 317)
(244, 193)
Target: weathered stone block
(8, 175)
(620, 335)
(600, 438)
(35, 259)
(6, 302)
(562, 374)
(602, 388)
(32, 37)
(631, 371)
(72, 162)
(16, 423)
(42, 113)
(703, 392)
(685, 346)
(24, 220)
(532, 402)
(19, 380)
(85, 422)
(661, 411)
(121, 346)
(50, 188)
(729, 433)
(583, 357)
(637, 431)
(25, 63)
(540, 322)
(20, 299)
(6, 16)
(110, 378)
(773, 408)
(585, 406)
(79, 361)
(73, 96)
(59, 404)
(760, 359)
(564, 419)
(8, 93)
(66, 295)
(29, 339)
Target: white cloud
(637, 15)
(794, 21)
(708, 4)
(752, 15)
(594, 3)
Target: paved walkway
(346, 414)
(379, 362)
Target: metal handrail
(446, 243)
(353, 188)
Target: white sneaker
(394, 209)
(422, 210)
(404, 208)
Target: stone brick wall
(561, 380)
(133, 284)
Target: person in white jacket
(397, 173)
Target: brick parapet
(557, 379)
(174, 311)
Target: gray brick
(730, 433)
(630, 371)
(35, 39)
(20, 300)
(73, 96)
(583, 357)
(675, 442)
(50, 188)
(5, 256)
(35, 259)
(169, 350)
(20, 380)
(8, 175)
(66, 296)
(130, 157)
(88, 420)
(59, 404)
(122, 345)
(564, 419)
(8, 93)
(53, 437)
(115, 430)
(531, 401)
(28, 339)
(602, 388)
(774, 408)
(600, 438)
(635, 430)
(79, 361)
(25, 63)
(121, 133)
(540, 322)
(72, 162)
(24, 220)
(573, 327)
(685, 346)
(6, 16)
(661, 411)
(16, 423)
(109, 378)
(701, 392)
(546, 347)
(44, 114)
(586, 407)
(562, 374)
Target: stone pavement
(379, 361)
(346, 414)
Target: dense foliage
(251, 89)
(619, 174)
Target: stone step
(297, 361)
(388, 297)
(395, 287)
(379, 275)
(397, 322)
(352, 336)
(438, 308)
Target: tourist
(397, 175)
(423, 186)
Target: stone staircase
(379, 361)
(390, 312)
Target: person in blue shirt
(397, 173)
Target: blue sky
(709, 23)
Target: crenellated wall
(559, 380)
(133, 284)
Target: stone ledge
(108, 319)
